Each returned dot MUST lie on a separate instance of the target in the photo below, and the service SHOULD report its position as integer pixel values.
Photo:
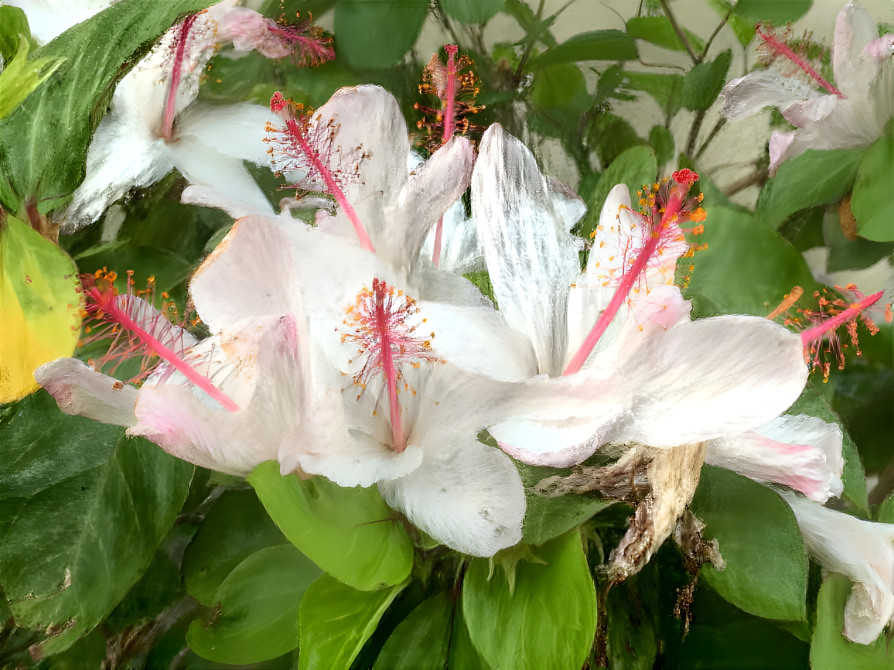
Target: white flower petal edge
(80, 390)
(801, 452)
(861, 550)
(466, 494)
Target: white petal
(861, 550)
(854, 30)
(122, 155)
(464, 494)
(711, 377)
(80, 390)
(170, 336)
(461, 251)
(250, 273)
(427, 195)
(178, 418)
(204, 165)
(531, 258)
(237, 131)
(802, 452)
(749, 94)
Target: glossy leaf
(830, 650)
(377, 33)
(612, 45)
(659, 31)
(472, 11)
(816, 177)
(703, 83)
(42, 159)
(547, 620)
(349, 533)
(256, 615)
(233, 529)
(766, 563)
(777, 12)
(422, 640)
(335, 621)
(747, 267)
(40, 306)
(871, 201)
(82, 510)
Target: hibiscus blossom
(154, 125)
(861, 550)
(851, 113)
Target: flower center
(167, 123)
(384, 324)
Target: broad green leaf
(40, 306)
(547, 518)
(462, 652)
(830, 650)
(88, 652)
(747, 267)
(871, 201)
(776, 12)
(21, 77)
(766, 563)
(377, 33)
(547, 621)
(82, 510)
(335, 621)
(233, 529)
(157, 589)
(611, 135)
(472, 11)
(349, 533)
(658, 30)
(816, 177)
(43, 144)
(422, 640)
(662, 141)
(258, 606)
(703, 83)
(634, 167)
(854, 478)
(611, 45)
(558, 85)
(886, 510)
(665, 89)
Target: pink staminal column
(449, 128)
(816, 333)
(672, 211)
(180, 54)
(786, 51)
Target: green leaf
(747, 267)
(13, 27)
(82, 510)
(659, 31)
(611, 135)
(258, 608)
(830, 650)
(377, 33)
(462, 652)
(42, 159)
(776, 12)
(766, 563)
(234, 528)
(611, 45)
(40, 306)
(743, 30)
(21, 77)
(547, 621)
(854, 477)
(665, 89)
(349, 533)
(816, 177)
(558, 85)
(547, 518)
(472, 11)
(662, 141)
(703, 83)
(871, 201)
(632, 639)
(634, 167)
(336, 620)
(422, 640)
(886, 510)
